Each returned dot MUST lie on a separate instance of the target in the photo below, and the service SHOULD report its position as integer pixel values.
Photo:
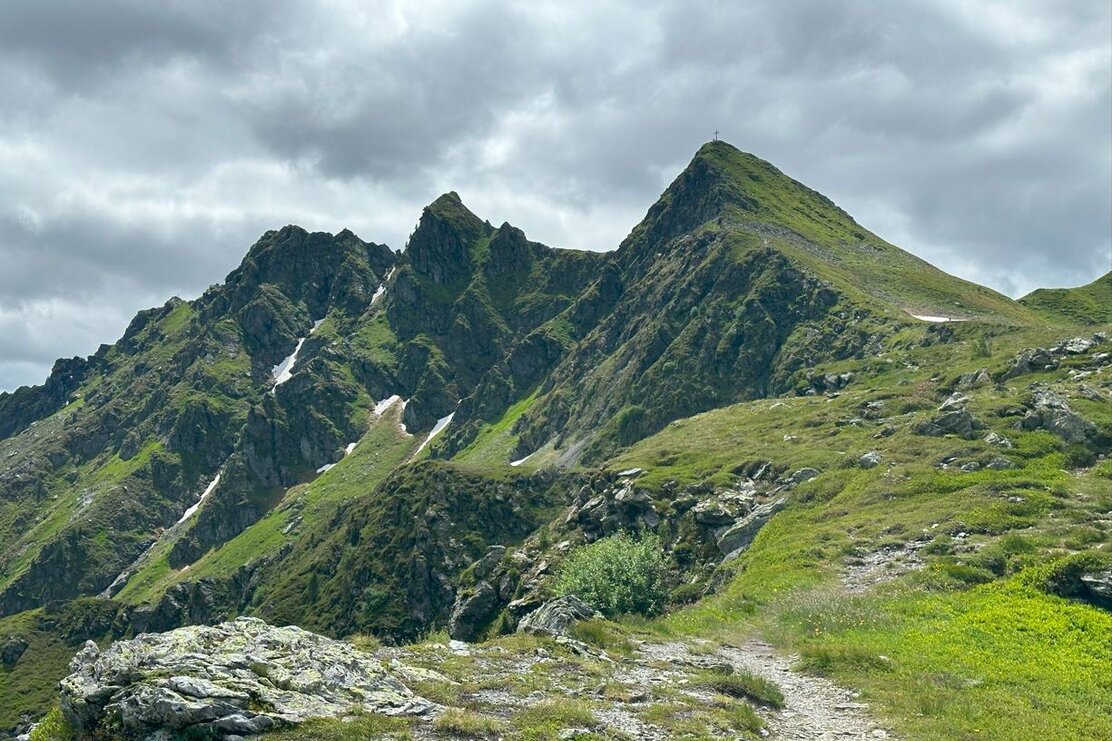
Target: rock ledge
(233, 679)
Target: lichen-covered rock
(11, 649)
(1099, 586)
(1030, 361)
(1050, 412)
(869, 460)
(740, 535)
(953, 419)
(556, 617)
(237, 678)
(472, 612)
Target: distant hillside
(1091, 304)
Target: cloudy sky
(144, 146)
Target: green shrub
(630, 424)
(53, 727)
(617, 575)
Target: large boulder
(1030, 361)
(237, 678)
(472, 612)
(953, 419)
(555, 618)
(1050, 412)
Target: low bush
(617, 575)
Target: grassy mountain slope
(745, 330)
(738, 279)
(1089, 304)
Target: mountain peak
(440, 246)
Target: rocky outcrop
(953, 419)
(11, 649)
(1050, 412)
(1033, 360)
(555, 618)
(31, 403)
(234, 679)
(739, 536)
(1098, 585)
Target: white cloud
(144, 147)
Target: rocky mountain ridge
(359, 441)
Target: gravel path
(814, 708)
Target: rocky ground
(245, 677)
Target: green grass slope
(1090, 304)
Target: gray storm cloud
(144, 146)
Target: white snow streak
(381, 290)
(436, 430)
(350, 447)
(284, 370)
(382, 406)
(935, 319)
(326, 468)
(519, 461)
(208, 490)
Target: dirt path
(814, 708)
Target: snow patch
(381, 290)
(936, 319)
(519, 461)
(436, 430)
(382, 406)
(208, 490)
(284, 370)
(350, 447)
(326, 468)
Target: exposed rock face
(739, 536)
(1030, 361)
(1099, 586)
(237, 678)
(1050, 412)
(953, 419)
(11, 648)
(475, 608)
(555, 618)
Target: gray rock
(1075, 346)
(234, 679)
(1050, 412)
(715, 513)
(974, 380)
(1030, 361)
(954, 421)
(869, 460)
(736, 538)
(801, 476)
(1088, 392)
(993, 438)
(11, 649)
(472, 612)
(955, 402)
(1000, 464)
(1099, 585)
(554, 618)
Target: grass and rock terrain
(801, 510)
